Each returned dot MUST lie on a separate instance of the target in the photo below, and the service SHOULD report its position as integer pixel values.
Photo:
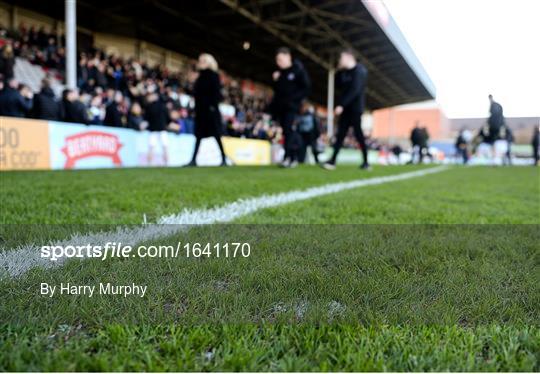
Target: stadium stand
(102, 77)
(138, 36)
(33, 75)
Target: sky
(472, 48)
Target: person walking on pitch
(309, 129)
(535, 142)
(351, 83)
(207, 93)
(291, 86)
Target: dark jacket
(6, 66)
(13, 104)
(113, 116)
(496, 118)
(134, 122)
(416, 136)
(157, 116)
(207, 93)
(461, 142)
(74, 111)
(506, 134)
(308, 123)
(291, 88)
(536, 138)
(46, 106)
(351, 84)
(424, 137)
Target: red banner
(91, 144)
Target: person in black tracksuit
(291, 86)
(491, 132)
(351, 82)
(423, 145)
(416, 137)
(495, 120)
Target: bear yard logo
(91, 144)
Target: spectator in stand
(117, 78)
(96, 112)
(114, 115)
(7, 62)
(51, 54)
(261, 130)
(175, 124)
(98, 74)
(73, 110)
(15, 102)
(186, 122)
(82, 70)
(207, 92)
(45, 105)
(42, 37)
(135, 118)
(157, 117)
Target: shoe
(293, 164)
(192, 164)
(366, 167)
(328, 166)
(285, 164)
(223, 164)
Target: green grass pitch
(434, 273)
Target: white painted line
(18, 261)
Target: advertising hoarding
(24, 144)
(34, 144)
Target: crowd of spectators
(115, 91)
(34, 44)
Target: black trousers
(507, 158)
(198, 143)
(464, 154)
(346, 121)
(423, 150)
(286, 120)
(309, 139)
